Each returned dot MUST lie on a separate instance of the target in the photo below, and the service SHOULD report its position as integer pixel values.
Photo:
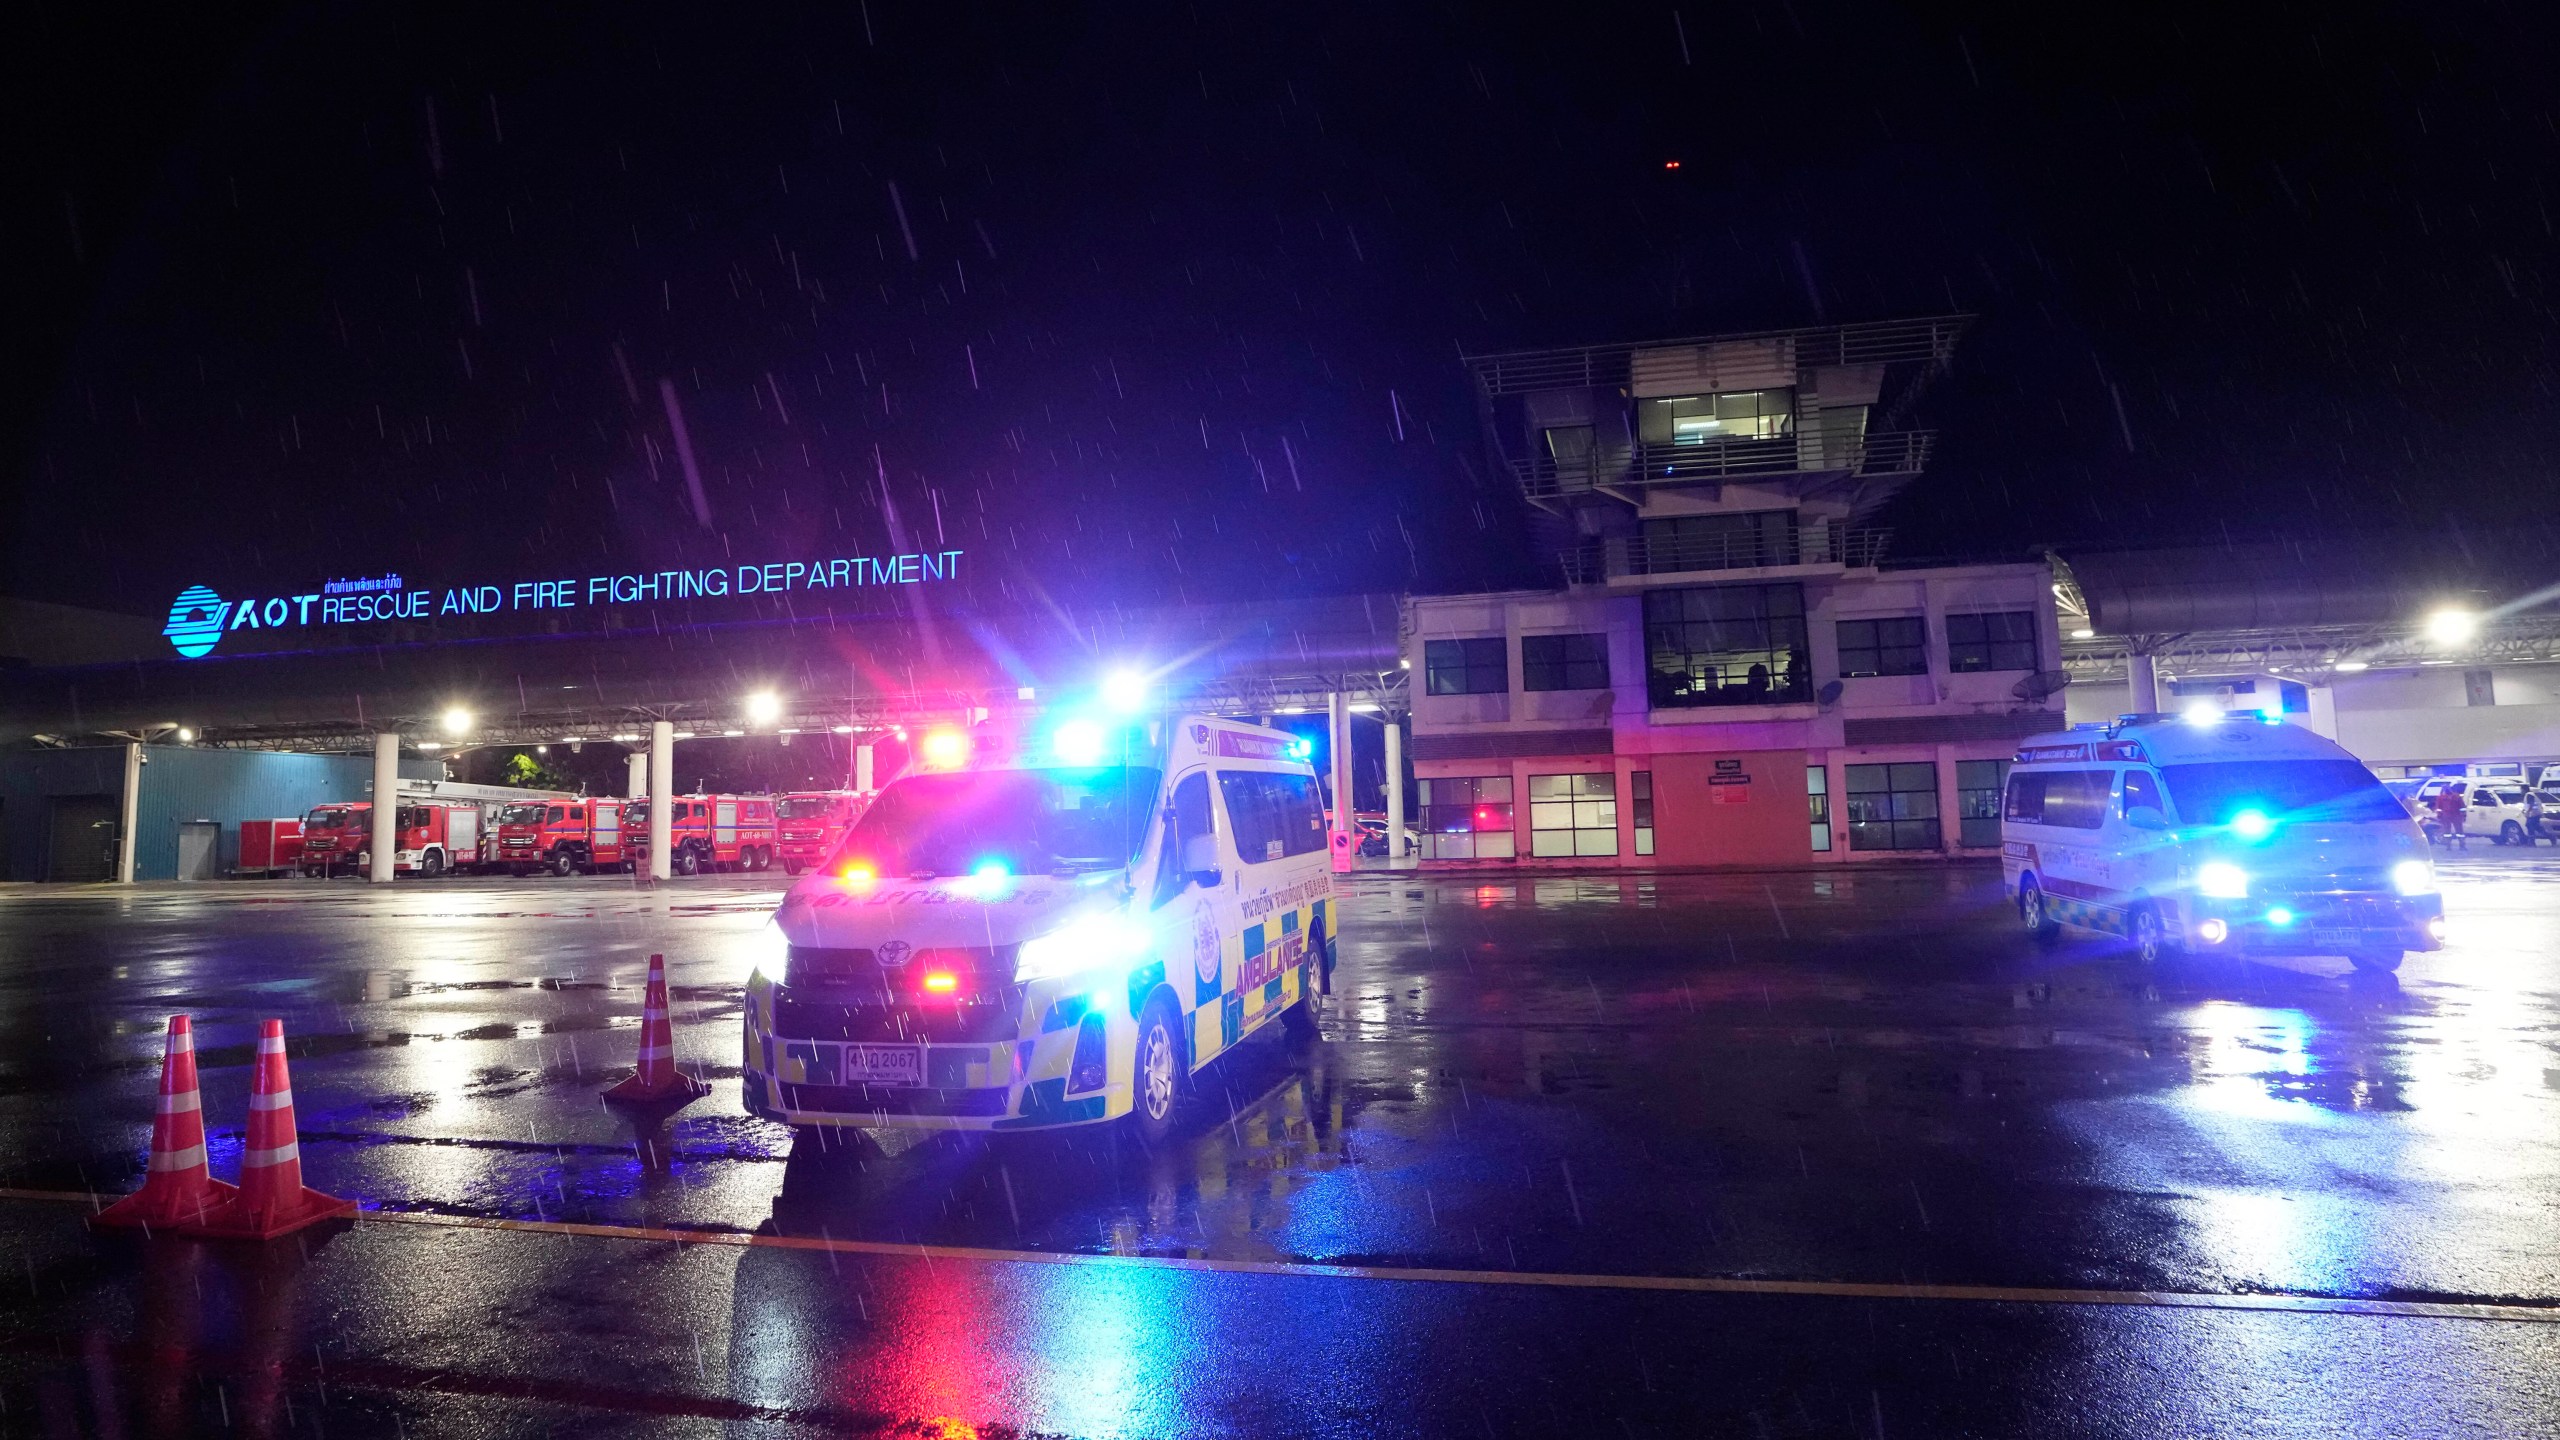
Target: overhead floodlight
(844, 729)
(2084, 633)
(456, 721)
(764, 708)
(186, 736)
(2451, 626)
(2352, 667)
(733, 734)
(1125, 691)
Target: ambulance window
(1272, 816)
(2026, 797)
(1188, 823)
(2139, 789)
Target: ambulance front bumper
(1061, 1069)
(2327, 923)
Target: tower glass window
(1726, 645)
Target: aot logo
(195, 621)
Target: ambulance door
(1276, 825)
(1196, 914)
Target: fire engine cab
(812, 823)
(563, 836)
(706, 832)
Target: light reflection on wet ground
(1851, 1075)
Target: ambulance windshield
(1028, 822)
(2296, 791)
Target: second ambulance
(2220, 833)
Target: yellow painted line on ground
(1675, 1284)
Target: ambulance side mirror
(2146, 817)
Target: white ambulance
(2227, 833)
(1054, 926)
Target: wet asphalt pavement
(1563, 1098)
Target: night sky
(1139, 302)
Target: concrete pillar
(2323, 718)
(1395, 790)
(662, 790)
(638, 783)
(1338, 745)
(862, 768)
(132, 817)
(386, 808)
(2143, 673)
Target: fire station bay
(1735, 673)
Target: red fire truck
(810, 822)
(567, 836)
(709, 832)
(434, 837)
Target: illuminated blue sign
(199, 618)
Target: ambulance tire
(2375, 962)
(2031, 909)
(2146, 935)
(431, 865)
(1298, 1023)
(2511, 833)
(1161, 1072)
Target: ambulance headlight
(2414, 877)
(1092, 943)
(2222, 880)
(766, 954)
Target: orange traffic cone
(273, 1200)
(657, 1079)
(177, 1186)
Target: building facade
(1733, 673)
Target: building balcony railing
(1927, 340)
(1892, 453)
(1621, 557)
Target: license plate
(2344, 939)
(883, 1065)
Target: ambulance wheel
(431, 866)
(1298, 1023)
(2150, 940)
(1156, 1080)
(2031, 909)
(2511, 833)
(2375, 962)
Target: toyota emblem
(895, 953)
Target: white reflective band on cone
(280, 1100)
(656, 1052)
(187, 1159)
(181, 1104)
(260, 1159)
(270, 1044)
(182, 1043)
